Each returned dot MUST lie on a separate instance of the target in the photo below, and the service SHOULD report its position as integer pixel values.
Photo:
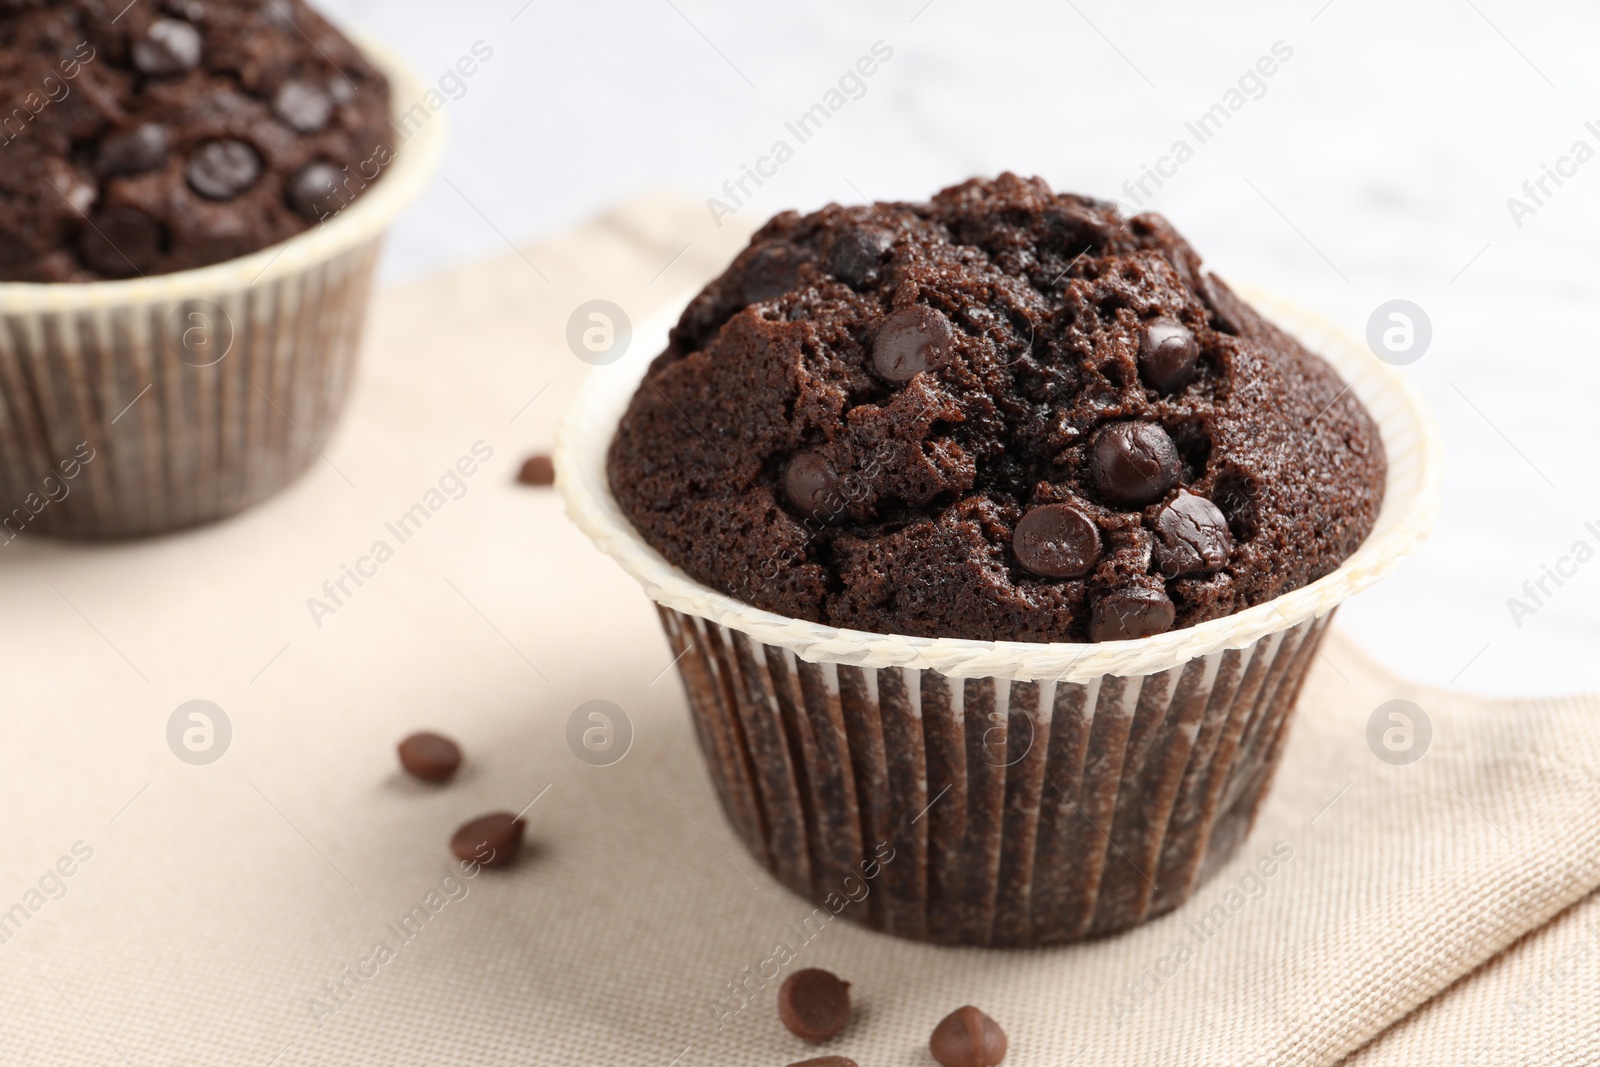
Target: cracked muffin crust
(1006, 414)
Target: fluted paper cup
(1000, 792)
(140, 406)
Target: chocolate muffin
(145, 138)
(1006, 414)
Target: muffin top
(1006, 414)
(152, 137)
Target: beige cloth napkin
(250, 911)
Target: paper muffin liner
(998, 812)
(140, 406)
(1000, 792)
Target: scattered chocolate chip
(771, 272)
(1191, 536)
(856, 255)
(1133, 463)
(1057, 541)
(911, 341)
(303, 105)
(429, 756)
(121, 242)
(814, 1004)
(1127, 614)
(968, 1038)
(537, 470)
(1167, 354)
(812, 486)
(132, 151)
(221, 170)
(169, 46)
(826, 1061)
(492, 840)
(315, 191)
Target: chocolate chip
(537, 470)
(492, 840)
(1133, 463)
(771, 271)
(1082, 223)
(1193, 441)
(814, 1004)
(1191, 536)
(315, 191)
(78, 189)
(122, 242)
(812, 486)
(169, 46)
(1057, 541)
(968, 1038)
(911, 341)
(856, 254)
(429, 756)
(132, 151)
(302, 105)
(341, 90)
(1130, 613)
(826, 1061)
(221, 170)
(1228, 313)
(1167, 354)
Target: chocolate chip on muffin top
(160, 136)
(1006, 414)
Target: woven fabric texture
(293, 902)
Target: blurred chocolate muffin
(145, 138)
(1006, 414)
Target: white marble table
(1374, 163)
